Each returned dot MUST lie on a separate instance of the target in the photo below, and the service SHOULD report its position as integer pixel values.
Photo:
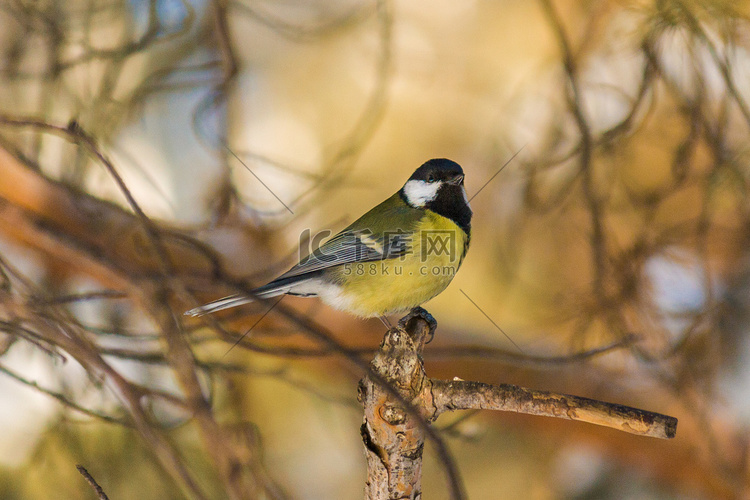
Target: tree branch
(394, 438)
(466, 395)
(98, 489)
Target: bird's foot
(420, 313)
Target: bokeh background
(158, 154)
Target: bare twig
(89, 479)
(465, 395)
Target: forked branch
(394, 434)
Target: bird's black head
(438, 185)
(438, 169)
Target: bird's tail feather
(273, 289)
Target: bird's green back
(390, 216)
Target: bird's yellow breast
(377, 288)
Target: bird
(400, 254)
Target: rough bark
(393, 438)
(395, 417)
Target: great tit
(395, 257)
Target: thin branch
(65, 400)
(466, 395)
(89, 479)
(518, 359)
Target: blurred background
(158, 154)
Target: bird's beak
(457, 180)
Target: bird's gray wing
(349, 247)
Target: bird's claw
(421, 313)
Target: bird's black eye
(431, 178)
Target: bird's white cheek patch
(419, 193)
